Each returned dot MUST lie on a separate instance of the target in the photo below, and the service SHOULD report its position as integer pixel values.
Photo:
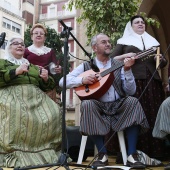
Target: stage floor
(111, 163)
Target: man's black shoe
(134, 162)
(102, 160)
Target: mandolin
(99, 88)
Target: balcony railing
(57, 15)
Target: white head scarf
(131, 38)
(10, 57)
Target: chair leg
(82, 149)
(122, 146)
(95, 150)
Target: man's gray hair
(94, 39)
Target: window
(68, 24)
(8, 26)
(52, 11)
(11, 25)
(16, 27)
(4, 24)
(30, 1)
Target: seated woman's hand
(22, 69)
(44, 74)
(58, 69)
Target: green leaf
(117, 12)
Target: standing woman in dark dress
(40, 55)
(136, 39)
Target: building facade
(11, 21)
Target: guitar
(99, 88)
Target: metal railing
(58, 14)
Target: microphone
(64, 25)
(63, 33)
(2, 38)
(93, 66)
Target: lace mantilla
(17, 61)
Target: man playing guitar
(114, 109)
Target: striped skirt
(162, 124)
(98, 118)
(30, 127)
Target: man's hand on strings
(91, 79)
(128, 62)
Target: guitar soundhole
(86, 88)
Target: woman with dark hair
(135, 39)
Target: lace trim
(17, 61)
(39, 51)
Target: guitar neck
(140, 55)
(111, 69)
(146, 52)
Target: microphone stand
(63, 157)
(65, 34)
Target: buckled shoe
(133, 162)
(102, 160)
